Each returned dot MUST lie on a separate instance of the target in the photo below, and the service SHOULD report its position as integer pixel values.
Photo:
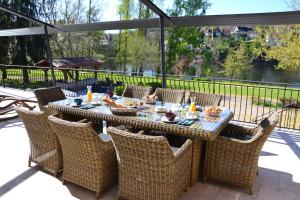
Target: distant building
(106, 40)
(243, 31)
(213, 32)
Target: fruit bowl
(170, 116)
(213, 111)
(149, 100)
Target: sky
(218, 7)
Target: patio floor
(279, 174)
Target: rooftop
(74, 62)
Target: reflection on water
(259, 72)
(270, 74)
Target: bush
(154, 85)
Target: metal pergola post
(163, 17)
(162, 51)
(49, 55)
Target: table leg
(196, 158)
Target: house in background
(243, 31)
(106, 40)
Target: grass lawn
(228, 88)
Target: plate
(161, 110)
(77, 106)
(165, 119)
(96, 104)
(191, 117)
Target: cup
(78, 101)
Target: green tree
(184, 41)
(125, 12)
(287, 49)
(143, 54)
(4, 41)
(238, 61)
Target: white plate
(191, 117)
(161, 110)
(165, 119)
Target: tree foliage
(143, 54)
(20, 50)
(184, 41)
(287, 51)
(238, 61)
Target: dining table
(202, 129)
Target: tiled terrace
(279, 173)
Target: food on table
(170, 115)
(213, 111)
(161, 109)
(150, 99)
(136, 104)
(111, 102)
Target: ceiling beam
(279, 18)
(276, 18)
(158, 11)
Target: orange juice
(89, 96)
(192, 107)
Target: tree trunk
(65, 75)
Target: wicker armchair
(89, 159)
(233, 156)
(205, 99)
(137, 92)
(45, 149)
(45, 96)
(149, 168)
(169, 95)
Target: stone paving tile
(275, 181)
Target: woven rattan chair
(137, 92)
(205, 99)
(233, 156)
(149, 168)
(45, 149)
(45, 96)
(89, 159)
(169, 95)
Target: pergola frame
(276, 18)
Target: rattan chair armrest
(238, 129)
(183, 149)
(141, 133)
(83, 121)
(234, 140)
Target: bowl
(123, 111)
(148, 100)
(78, 101)
(213, 111)
(161, 109)
(170, 116)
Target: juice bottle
(193, 105)
(89, 96)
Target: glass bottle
(193, 105)
(89, 95)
